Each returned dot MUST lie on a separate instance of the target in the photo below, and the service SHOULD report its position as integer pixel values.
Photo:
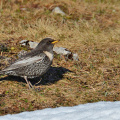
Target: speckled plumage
(34, 63)
(32, 70)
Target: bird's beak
(55, 41)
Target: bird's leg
(38, 82)
(29, 84)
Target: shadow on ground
(53, 75)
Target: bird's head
(46, 44)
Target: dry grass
(91, 29)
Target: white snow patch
(90, 111)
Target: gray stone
(32, 44)
(23, 9)
(24, 42)
(61, 50)
(57, 10)
(58, 50)
(75, 57)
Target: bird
(34, 63)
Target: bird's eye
(48, 42)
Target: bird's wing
(24, 62)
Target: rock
(24, 42)
(57, 10)
(31, 44)
(23, 9)
(75, 57)
(66, 53)
(63, 52)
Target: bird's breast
(50, 55)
